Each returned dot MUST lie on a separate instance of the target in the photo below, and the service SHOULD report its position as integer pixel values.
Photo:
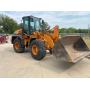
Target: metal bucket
(70, 48)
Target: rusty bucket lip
(71, 35)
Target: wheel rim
(35, 50)
(17, 45)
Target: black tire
(21, 48)
(42, 51)
(50, 50)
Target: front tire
(18, 46)
(38, 50)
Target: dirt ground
(23, 65)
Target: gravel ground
(23, 65)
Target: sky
(65, 19)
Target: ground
(23, 65)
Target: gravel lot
(23, 65)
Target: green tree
(72, 30)
(8, 24)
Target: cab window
(26, 25)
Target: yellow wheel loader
(36, 36)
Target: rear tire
(20, 48)
(41, 49)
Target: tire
(21, 47)
(50, 50)
(41, 50)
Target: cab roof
(30, 17)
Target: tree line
(73, 30)
(9, 25)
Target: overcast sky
(62, 18)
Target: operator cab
(32, 24)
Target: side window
(32, 25)
(37, 26)
(26, 26)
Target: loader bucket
(70, 48)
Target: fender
(14, 37)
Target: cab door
(32, 25)
(26, 28)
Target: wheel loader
(36, 36)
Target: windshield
(37, 24)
